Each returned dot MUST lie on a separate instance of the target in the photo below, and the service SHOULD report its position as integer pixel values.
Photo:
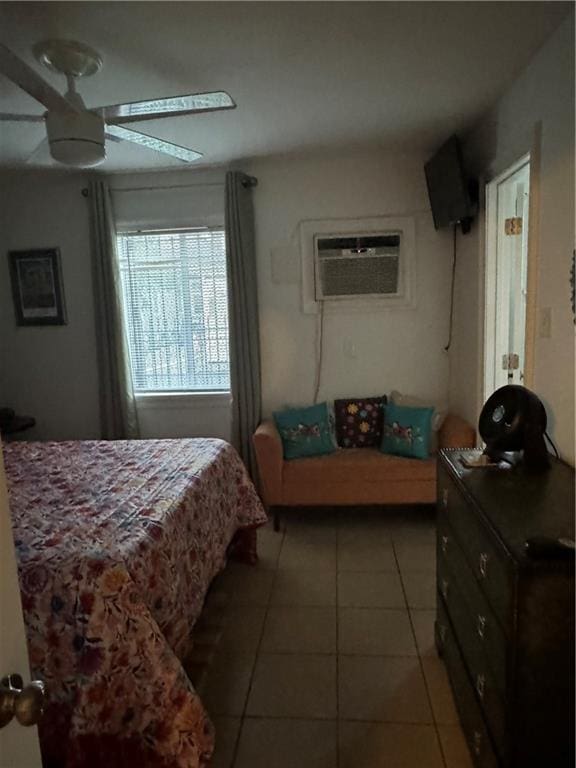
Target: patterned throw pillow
(415, 402)
(407, 431)
(359, 421)
(305, 431)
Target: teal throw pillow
(407, 431)
(305, 431)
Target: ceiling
(307, 76)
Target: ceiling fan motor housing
(76, 138)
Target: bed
(117, 543)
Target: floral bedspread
(117, 543)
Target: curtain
(243, 315)
(118, 415)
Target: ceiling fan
(76, 135)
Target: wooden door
(19, 747)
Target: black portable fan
(513, 419)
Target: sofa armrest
(270, 458)
(456, 432)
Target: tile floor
(327, 657)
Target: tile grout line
(334, 653)
(421, 663)
(318, 719)
(257, 654)
(268, 606)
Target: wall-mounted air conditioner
(366, 265)
(357, 264)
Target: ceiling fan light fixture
(76, 139)
(68, 57)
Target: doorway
(507, 206)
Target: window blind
(176, 309)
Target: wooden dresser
(505, 622)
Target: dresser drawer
(489, 696)
(471, 718)
(525, 607)
(486, 559)
(486, 632)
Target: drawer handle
(444, 544)
(481, 626)
(445, 498)
(477, 745)
(444, 589)
(480, 684)
(483, 564)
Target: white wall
(184, 198)
(544, 93)
(49, 372)
(394, 348)
(205, 415)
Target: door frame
(489, 268)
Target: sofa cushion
(305, 431)
(407, 431)
(356, 466)
(359, 421)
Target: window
(176, 309)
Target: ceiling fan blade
(172, 106)
(151, 142)
(6, 117)
(16, 70)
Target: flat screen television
(448, 187)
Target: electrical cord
(447, 347)
(547, 436)
(320, 344)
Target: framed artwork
(37, 287)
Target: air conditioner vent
(359, 277)
(359, 265)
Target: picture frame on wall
(37, 287)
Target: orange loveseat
(350, 476)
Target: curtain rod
(249, 181)
(167, 186)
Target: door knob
(25, 703)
